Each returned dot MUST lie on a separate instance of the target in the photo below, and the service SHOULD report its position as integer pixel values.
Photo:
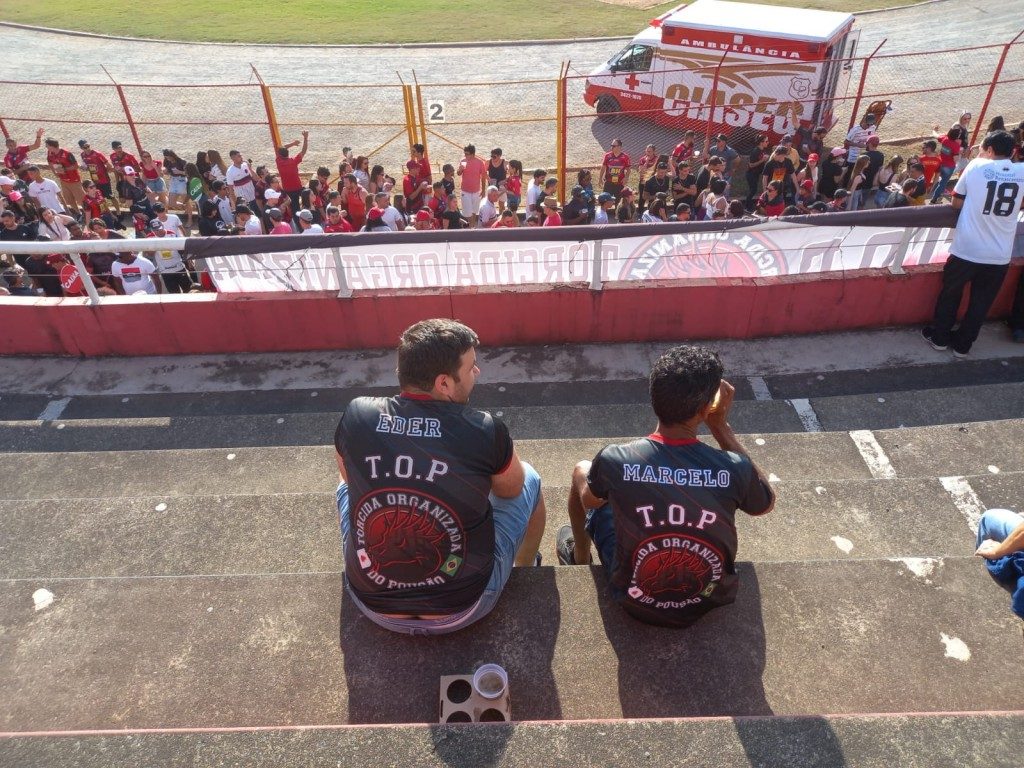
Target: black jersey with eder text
(419, 475)
(674, 504)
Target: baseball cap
(873, 140)
(156, 224)
(841, 193)
(83, 143)
(423, 215)
(721, 137)
(129, 171)
(54, 258)
(242, 209)
(274, 213)
(604, 197)
(576, 190)
(627, 192)
(838, 152)
(807, 184)
(14, 197)
(787, 139)
(813, 157)
(305, 215)
(6, 181)
(272, 194)
(374, 213)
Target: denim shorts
(601, 527)
(511, 517)
(179, 185)
(155, 185)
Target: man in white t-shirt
(857, 138)
(247, 223)
(240, 178)
(169, 263)
(389, 214)
(989, 195)
(170, 221)
(44, 192)
(306, 224)
(489, 207)
(134, 274)
(535, 192)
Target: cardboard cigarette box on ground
(482, 697)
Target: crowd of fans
(97, 196)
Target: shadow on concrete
(713, 668)
(394, 678)
(808, 742)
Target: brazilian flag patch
(451, 565)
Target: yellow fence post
(561, 128)
(268, 105)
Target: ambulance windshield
(633, 58)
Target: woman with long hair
(858, 183)
(218, 168)
(886, 175)
(177, 192)
(152, 173)
(361, 168)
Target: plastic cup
(490, 681)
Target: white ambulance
(778, 69)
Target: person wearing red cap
(375, 221)
(424, 220)
(806, 196)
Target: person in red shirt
(423, 221)
(288, 169)
(949, 152)
(17, 156)
(120, 160)
(335, 221)
(419, 155)
(508, 219)
(414, 187)
(355, 200)
(473, 171)
(437, 202)
(684, 149)
(65, 168)
(930, 161)
(99, 168)
(552, 218)
(614, 170)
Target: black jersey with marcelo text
(419, 476)
(674, 504)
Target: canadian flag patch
(364, 559)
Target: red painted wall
(706, 309)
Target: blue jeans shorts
(511, 518)
(601, 527)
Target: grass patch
(357, 21)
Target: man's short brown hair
(431, 348)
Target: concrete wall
(723, 308)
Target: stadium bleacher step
(803, 638)
(936, 451)
(988, 740)
(289, 533)
(884, 410)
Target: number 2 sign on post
(435, 112)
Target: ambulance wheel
(743, 138)
(607, 108)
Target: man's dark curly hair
(683, 381)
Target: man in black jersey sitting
(661, 509)
(435, 505)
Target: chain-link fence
(520, 118)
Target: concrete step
(856, 741)
(964, 449)
(802, 639)
(883, 411)
(298, 533)
(491, 395)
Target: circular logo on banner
(704, 254)
(407, 539)
(71, 281)
(673, 571)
